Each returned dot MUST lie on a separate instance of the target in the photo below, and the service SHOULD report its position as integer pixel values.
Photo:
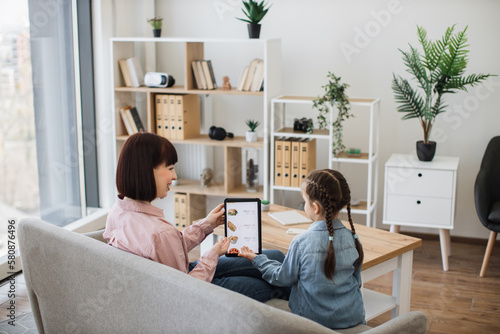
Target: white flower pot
(251, 136)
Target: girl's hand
(221, 246)
(247, 253)
(216, 216)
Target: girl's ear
(316, 208)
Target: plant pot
(253, 30)
(251, 136)
(156, 32)
(425, 152)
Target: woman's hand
(221, 246)
(247, 253)
(216, 216)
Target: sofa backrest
(80, 285)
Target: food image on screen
(231, 226)
(232, 212)
(233, 251)
(233, 239)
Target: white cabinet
(421, 194)
(282, 126)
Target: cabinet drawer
(418, 210)
(419, 182)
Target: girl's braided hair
(330, 190)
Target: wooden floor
(457, 301)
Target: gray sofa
(79, 284)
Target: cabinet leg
(395, 228)
(444, 238)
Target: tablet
(243, 224)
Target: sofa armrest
(413, 322)
(96, 235)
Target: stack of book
(131, 119)
(252, 77)
(132, 72)
(294, 158)
(204, 74)
(177, 116)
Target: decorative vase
(251, 136)
(425, 152)
(156, 32)
(252, 169)
(254, 30)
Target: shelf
(182, 90)
(193, 40)
(361, 159)
(237, 141)
(309, 100)
(289, 132)
(193, 187)
(376, 303)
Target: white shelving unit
(279, 128)
(178, 53)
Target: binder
(295, 164)
(173, 117)
(187, 110)
(183, 210)
(287, 156)
(177, 210)
(159, 114)
(166, 117)
(307, 157)
(278, 161)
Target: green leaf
(410, 102)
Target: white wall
(313, 35)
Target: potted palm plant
(438, 71)
(255, 12)
(251, 135)
(156, 23)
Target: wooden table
(384, 252)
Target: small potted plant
(251, 135)
(438, 71)
(255, 12)
(156, 23)
(334, 95)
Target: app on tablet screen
(243, 224)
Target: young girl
(323, 264)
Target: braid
(359, 248)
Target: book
(251, 72)
(289, 217)
(126, 120)
(196, 74)
(242, 78)
(125, 72)
(137, 119)
(136, 73)
(258, 77)
(131, 121)
(208, 77)
(203, 82)
(295, 164)
(212, 74)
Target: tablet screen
(243, 224)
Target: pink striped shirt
(141, 228)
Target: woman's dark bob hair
(139, 155)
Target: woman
(145, 172)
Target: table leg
(444, 238)
(401, 284)
(395, 228)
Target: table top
(378, 245)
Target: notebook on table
(289, 217)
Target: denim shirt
(337, 304)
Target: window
(46, 112)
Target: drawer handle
(419, 174)
(418, 202)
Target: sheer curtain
(55, 101)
